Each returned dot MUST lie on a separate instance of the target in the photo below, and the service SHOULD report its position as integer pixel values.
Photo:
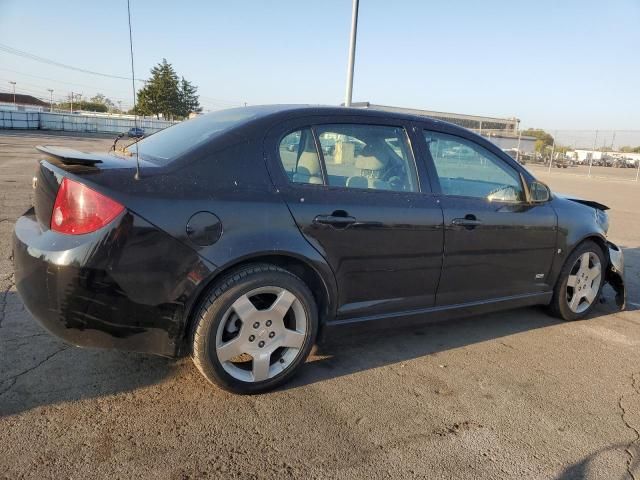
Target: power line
(37, 58)
(21, 53)
(120, 92)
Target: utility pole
(71, 106)
(553, 149)
(14, 92)
(595, 143)
(50, 90)
(352, 53)
(613, 140)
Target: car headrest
(357, 182)
(369, 162)
(309, 161)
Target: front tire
(254, 329)
(580, 282)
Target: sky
(554, 64)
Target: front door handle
(469, 222)
(338, 221)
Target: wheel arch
(595, 237)
(598, 239)
(322, 289)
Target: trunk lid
(59, 161)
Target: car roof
(282, 112)
(266, 116)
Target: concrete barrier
(69, 122)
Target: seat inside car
(308, 169)
(372, 167)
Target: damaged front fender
(615, 274)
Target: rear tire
(254, 329)
(580, 282)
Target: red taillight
(78, 209)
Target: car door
(354, 190)
(497, 244)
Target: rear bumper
(125, 286)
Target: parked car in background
(232, 248)
(562, 162)
(135, 132)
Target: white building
(584, 156)
(587, 156)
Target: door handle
(469, 222)
(338, 221)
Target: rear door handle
(334, 220)
(470, 221)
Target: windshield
(163, 147)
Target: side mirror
(539, 192)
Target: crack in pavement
(23, 337)
(13, 380)
(630, 456)
(12, 283)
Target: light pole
(50, 90)
(352, 53)
(14, 92)
(73, 95)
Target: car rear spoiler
(70, 156)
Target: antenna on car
(133, 85)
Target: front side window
(299, 157)
(368, 157)
(467, 169)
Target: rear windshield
(163, 147)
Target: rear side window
(467, 169)
(359, 156)
(163, 147)
(299, 157)
(367, 156)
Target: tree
(164, 94)
(82, 105)
(627, 149)
(543, 139)
(101, 99)
(188, 98)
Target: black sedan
(234, 237)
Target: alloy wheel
(261, 334)
(584, 282)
